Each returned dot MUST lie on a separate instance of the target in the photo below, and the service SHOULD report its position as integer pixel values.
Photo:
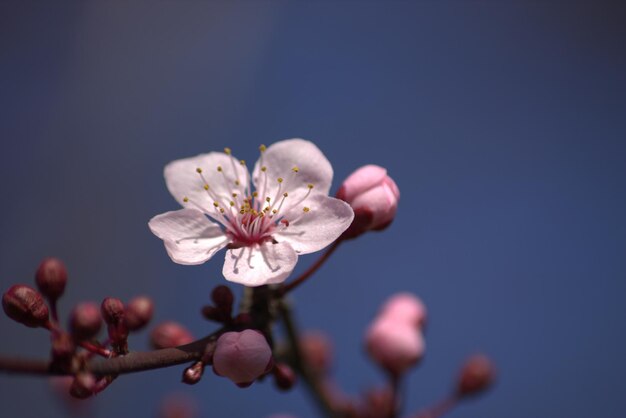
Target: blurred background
(503, 123)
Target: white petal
(189, 237)
(183, 180)
(280, 159)
(267, 263)
(311, 231)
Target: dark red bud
(51, 278)
(317, 351)
(223, 298)
(85, 321)
(83, 386)
(193, 373)
(25, 305)
(112, 310)
(139, 312)
(284, 376)
(213, 313)
(63, 347)
(169, 334)
(477, 374)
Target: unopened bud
(477, 374)
(213, 313)
(25, 305)
(223, 298)
(139, 312)
(284, 376)
(51, 278)
(169, 334)
(83, 385)
(85, 321)
(317, 351)
(112, 310)
(242, 356)
(395, 346)
(193, 373)
(63, 347)
(406, 308)
(374, 197)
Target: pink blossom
(265, 230)
(374, 197)
(394, 345)
(242, 356)
(405, 307)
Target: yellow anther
(264, 169)
(198, 170)
(306, 209)
(206, 187)
(221, 210)
(310, 185)
(219, 168)
(254, 212)
(227, 151)
(280, 179)
(242, 211)
(237, 183)
(232, 203)
(266, 209)
(255, 194)
(262, 148)
(275, 211)
(295, 169)
(285, 194)
(216, 204)
(185, 199)
(267, 199)
(234, 195)
(242, 162)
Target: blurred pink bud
(138, 313)
(83, 385)
(51, 278)
(405, 307)
(242, 356)
(477, 374)
(317, 351)
(178, 405)
(85, 321)
(395, 346)
(169, 334)
(284, 376)
(374, 197)
(25, 305)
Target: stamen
(305, 209)
(227, 151)
(295, 169)
(198, 170)
(185, 199)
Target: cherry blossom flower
(289, 212)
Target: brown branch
(133, 362)
(320, 261)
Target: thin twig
(312, 269)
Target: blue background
(503, 123)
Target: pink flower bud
(394, 345)
(85, 321)
(51, 278)
(477, 374)
(83, 386)
(138, 312)
(170, 334)
(406, 308)
(374, 197)
(25, 305)
(242, 356)
(317, 351)
(284, 376)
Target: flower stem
(314, 267)
(312, 383)
(440, 408)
